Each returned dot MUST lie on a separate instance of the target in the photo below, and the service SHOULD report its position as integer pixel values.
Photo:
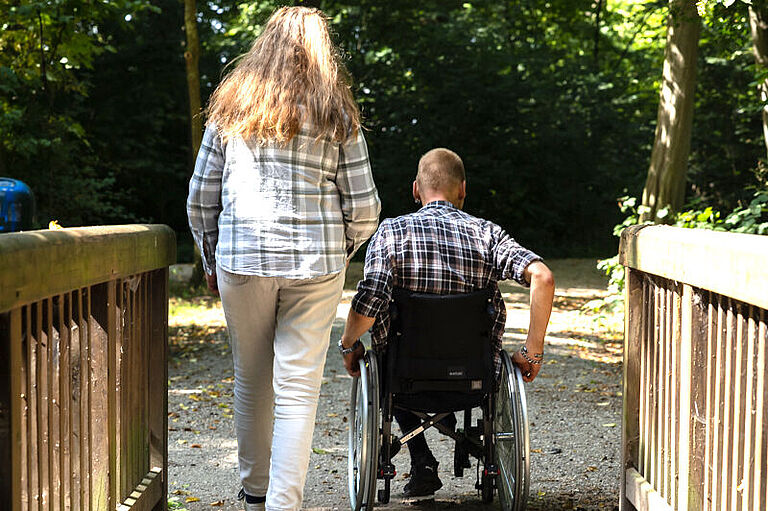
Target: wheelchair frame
(500, 440)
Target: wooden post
(630, 432)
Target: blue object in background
(17, 205)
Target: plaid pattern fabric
(297, 211)
(441, 250)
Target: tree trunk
(192, 57)
(758, 22)
(665, 186)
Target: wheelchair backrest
(441, 342)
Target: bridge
(83, 369)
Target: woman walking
(281, 197)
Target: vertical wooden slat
(116, 378)
(54, 373)
(145, 335)
(85, 399)
(111, 329)
(640, 314)
(125, 364)
(653, 426)
(131, 393)
(158, 378)
(630, 431)
(691, 488)
(64, 314)
(136, 391)
(99, 351)
(661, 387)
(650, 306)
(33, 464)
(728, 408)
(43, 426)
(712, 333)
(73, 324)
(18, 390)
(681, 305)
(749, 412)
(737, 429)
(666, 375)
(718, 404)
(683, 425)
(649, 342)
(759, 485)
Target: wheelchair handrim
(513, 477)
(363, 439)
(358, 441)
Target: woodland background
(553, 106)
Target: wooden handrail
(83, 368)
(722, 262)
(695, 386)
(37, 264)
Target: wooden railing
(695, 421)
(83, 378)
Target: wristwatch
(347, 351)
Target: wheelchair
(439, 359)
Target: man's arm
(373, 294)
(542, 294)
(357, 325)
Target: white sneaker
(248, 506)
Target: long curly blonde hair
(291, 75)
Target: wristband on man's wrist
(347, 351)
(538, 358)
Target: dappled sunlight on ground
(574, 406)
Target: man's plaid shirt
(441, 250)
(298, 211)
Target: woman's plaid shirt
(438, 249)
(298, 211)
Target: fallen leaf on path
(317, 450)
(192, 499)
(196, 446)
(218, 503)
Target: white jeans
(279, 330)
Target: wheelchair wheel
(364, 435)
(512, 438)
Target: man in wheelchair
(441, 250)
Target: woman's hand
(529, 370)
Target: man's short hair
(439, 169)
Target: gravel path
(574, 412)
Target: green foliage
(48, 50)
(751, 218)
(552, 114)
